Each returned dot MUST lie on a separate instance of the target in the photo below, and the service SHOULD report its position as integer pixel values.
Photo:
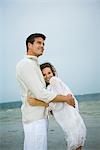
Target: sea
(11, 129)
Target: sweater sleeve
(31, 79)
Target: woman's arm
(35, 102)
(59, 98)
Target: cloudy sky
(72, 28)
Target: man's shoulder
(24, 62)
(21, 62)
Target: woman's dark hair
(49, 65)
(32, 37)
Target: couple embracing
(43, 91)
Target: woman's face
(47, 74)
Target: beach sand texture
(11, 131)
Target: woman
(67, 116)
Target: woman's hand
(70, 100)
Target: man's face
(37, 47)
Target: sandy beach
(11, 131)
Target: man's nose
(42, 46)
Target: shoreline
(80, 98)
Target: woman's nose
(48, 76)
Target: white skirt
(72, 124)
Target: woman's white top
(67, 116)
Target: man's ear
(29, 45)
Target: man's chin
(40, 54)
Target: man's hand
(70, 100)
(34, 102)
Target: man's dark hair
(32, 37)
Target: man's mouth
(41, 49)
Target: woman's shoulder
(57, 81)
(54, 80)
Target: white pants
(35, 135)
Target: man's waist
(32, 113)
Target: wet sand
(11, 131)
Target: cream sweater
(32, 83)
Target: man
(32, 84)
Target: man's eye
(39, 42)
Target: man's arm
(27, 73)
(31, 77)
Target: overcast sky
(72, 28)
